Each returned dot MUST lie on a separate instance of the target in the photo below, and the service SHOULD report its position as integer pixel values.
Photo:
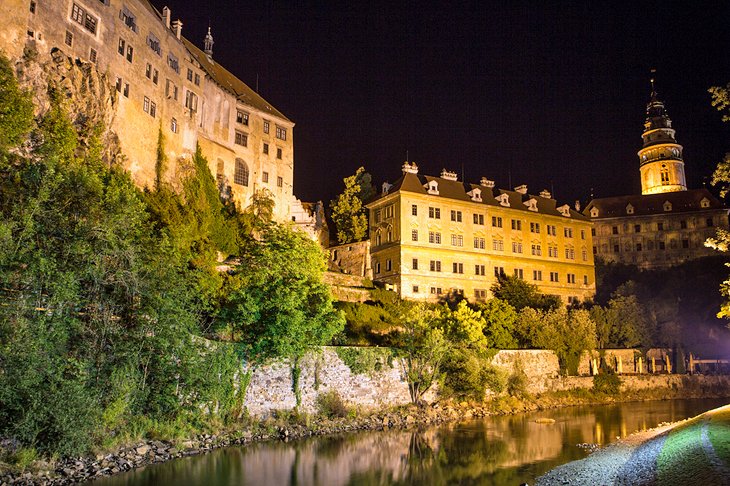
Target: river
(505, 450)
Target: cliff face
(88, 95)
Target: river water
(507, 450)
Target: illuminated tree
(348, 210)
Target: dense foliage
(348, 210)
(110, 294)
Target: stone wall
(351, 258)
(540, 366)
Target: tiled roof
(457, 190)
(681, 201)
(231, 83)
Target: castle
(666, 224)
(166, 90)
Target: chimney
(177, 28)
(166, 14)
(546, 194)
(449, 176)
(486, 183)
(521, 189)
(411, 168)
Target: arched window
(241, 175)
(665, 174)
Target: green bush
(331, 405)
(517, 383)
(468, 374)
(608, 383)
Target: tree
(520, 294)
(500, 323)
(622, 324)
(276, 304)
(348, 211)
(422, 346)
(16, 108)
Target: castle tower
(660, 159)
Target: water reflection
(500, 450)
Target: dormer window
(564, 210)
(705, 203)
(531, 204)
(432, 187)
(629, 209)
(667, 206)
(476, 194)
(503, 200)
(594, 212)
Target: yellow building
(158, 83)
(434, 235)
(667, 224)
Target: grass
(683, 459)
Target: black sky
(551, 93)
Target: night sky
(550, 94)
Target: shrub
(517, 383)
(331, 405)
(608, 383)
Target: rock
(142, 450)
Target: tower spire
(660, 158)
(208, 43)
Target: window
(593, 231)
(173, 63)
(389, 211)
(155, 76)
(434, 237)
(569, 253)
(497, 221)
(638, 247)
(614, 230)
(240, 175)
(241, 139)
(517, 225)
(173, 125)
(414, 210)
(414, 235)
(190, 74)
(498, 271)
(279, 181)
(414, 264)
(664, 174)
(264, 177)
(434, 213)
(585, 279)
(478, 243)
(436, 290)
(388, 265)
(479, 219)
(376, 215)
(148, 71)
(683, 224)
(709, 223)
(153, 109)
(551, 230)
(129, 20)
(197, 79)
(154, 43)
(497, 245)
(582, 234)
(170, 90)
(685, 243)
(280, 133)
(616, 248)
(567, 232)
(571, 278)
(278, 153)
(92, 55)
(554, 276)
(536, 249)
(32, 6)
(69, 40)
(458, 267)
(83, 18)
(534, 227)
(130, 53)
(266, 149)
(553, 251)
(537, 275)
(519, 273)
(415, 289)
(146, 105)
(266, 126)
(191, 101)
(479, 270)
(126, 90)
(659, 227)
(121, 47)
(457, 240)
(435, 266)
(480, 294)
(637, 228)
(377, 267)
(118, 84)
(456, 216)
(516, 247)
(584, 254)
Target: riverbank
(291, 426)
(693, 451)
